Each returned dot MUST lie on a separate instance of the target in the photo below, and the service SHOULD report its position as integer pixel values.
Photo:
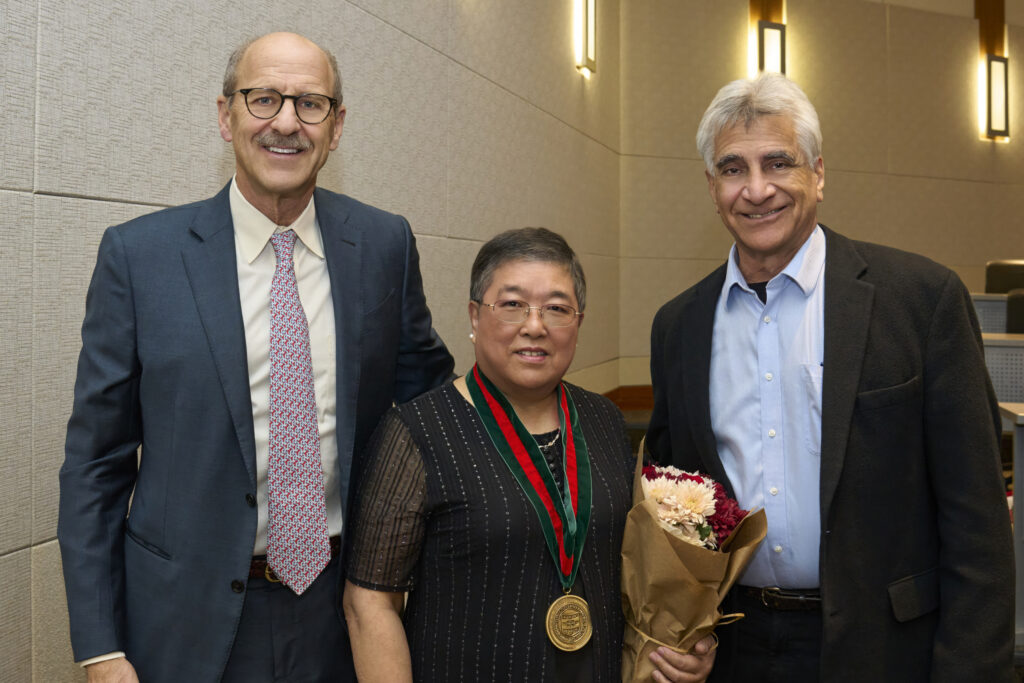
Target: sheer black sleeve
(388, 525)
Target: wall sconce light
(996, 99)
(585, 23)
(771, 47)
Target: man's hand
(117, 670)
(673, 667)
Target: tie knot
(284, 244)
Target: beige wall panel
(445, 264)
(392, 152)
(676, 55)
(973, 277)
(960, 8)
(16, 247)
(51, 645)
(858, 205)
(667, 211)
(957, 223)
(1014, 14)
(837, 53)
(426, 20)
(635, 370)
(18, 94)
(133, 109)
(646, 285)
(599, 335)
(512, 165)
(599, 378)
(16, 623)
(526, 47)
(68, 233)
(933, 113)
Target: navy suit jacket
(916, 561)
(163, 365)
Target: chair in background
(991, 311)
(1004, 275)
(1015, 311)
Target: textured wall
(465, 116)
(895, 87)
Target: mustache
(293, 141)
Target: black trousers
(292, 638)
(769, 646)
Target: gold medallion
(568, 623)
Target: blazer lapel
(848, 304)
(342, 249)
(213, 276)
(695, 335)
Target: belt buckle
(269, 574)
(766, 592)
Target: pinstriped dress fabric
(441, 516)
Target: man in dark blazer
(841, 386)
(162, 550)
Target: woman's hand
(673, 667)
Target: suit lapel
(213, 276)
(698, 321)
(342, 249)
(848, 304)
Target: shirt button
(237, 586)
(771, 433)
(250, 500)
(774, 491)
(769, 376)
(777, 549)
(767, 318)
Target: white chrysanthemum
(658, 489)
(687, 532)
(697, 499)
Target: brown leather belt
(784, 599)
(260, 568)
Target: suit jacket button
(250, 499)
(237, 586)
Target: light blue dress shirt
(765, 394)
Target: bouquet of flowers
(684, 546)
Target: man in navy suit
(841, 386)
(164, 551)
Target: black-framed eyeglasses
(265, 103)
(516, 311)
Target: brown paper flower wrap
(671, 589)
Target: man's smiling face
(766, 193)
(278, 159)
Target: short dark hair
(526, 244)
(231, 72)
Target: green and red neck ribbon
(564, 517)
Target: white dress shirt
(256, 264)
(765, 396)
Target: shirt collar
(804, 268)
(253, 229)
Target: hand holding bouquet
(684, 546)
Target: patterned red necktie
(298, 544)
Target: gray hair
(526, 244)
(231, 72)
(746, 100)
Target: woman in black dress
(497, 502)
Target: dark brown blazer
(916, 560)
